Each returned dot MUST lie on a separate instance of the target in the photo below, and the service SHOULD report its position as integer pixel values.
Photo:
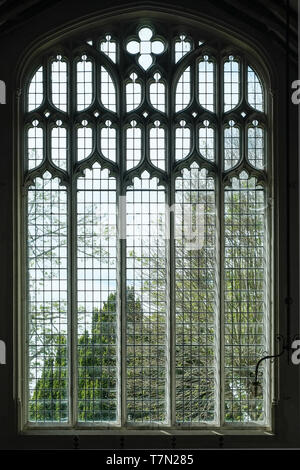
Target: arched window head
(147, 232)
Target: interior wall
(15, 49)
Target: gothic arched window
(147, 232)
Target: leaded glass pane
(182, 47)
(232, 145)
(109, 47)
(59, 146)
(183, 90)
(231, 83)
(158, 93)
(35, 145)
(206, 83)
(183, 141)
(146, 302)
(84, 83)
(245, 328)
(109, 141)
(47, 304)
(158, 146)
(107, 90)
(255, 90)
(59, 82)
(195, 298)
(84, 141)
(133, 93)
(256, 144)
(36, 90)
(97, 297)
(207, 146)
(133, 145)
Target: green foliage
(49, 400)
(97, 370)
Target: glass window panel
(98, 317)
(195, 298)
(182, 47)
(183, 90)
(59, 81)
(158, 146)
(35, 145)
(107, 90)
(84, 83)
(206, 83)
(47, 301)
(36, 90)
(133, 145)
(255, 91)
(84, 142)
(231, 84)
(133, 93)
(146, 304)
(108, 141)
(158, 94)
(59, 147)
(245, 300)
(256, 144)
(183, 141)
(232, 148)
(109, 47)
(207, 141)
(145, 47)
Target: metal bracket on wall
(285, 347)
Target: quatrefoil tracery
(145, 47)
